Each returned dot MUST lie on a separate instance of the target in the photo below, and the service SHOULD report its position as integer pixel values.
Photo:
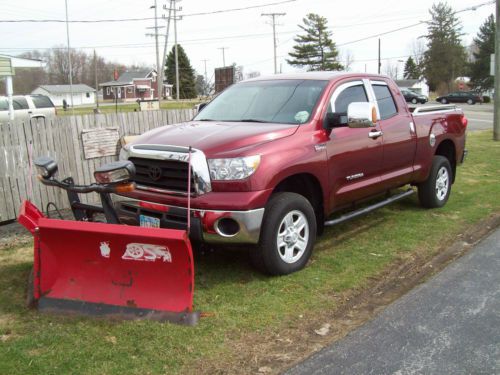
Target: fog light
(46, 166)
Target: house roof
(406, 82)
(127, 78)
(64, 89)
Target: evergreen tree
(315, 49)
(485, 43)
(187, 78)
(411, 69)
(445, 58)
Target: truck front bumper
(209, 226)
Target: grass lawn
(243, 308)
(127, 107)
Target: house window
(130, 90)
(87, 94)
(107, 91)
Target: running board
(365, 210)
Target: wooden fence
(74, 143)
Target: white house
(82, 94)
(416, 85)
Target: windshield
(276, 101)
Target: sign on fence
(100, 142)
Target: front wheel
(414, 101)
(435, 191)
(287, 236)
(470, 101)
(444, 101)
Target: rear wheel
(287, 236)
(470, 101)
(435, 191)
(444, 101)
(414, 101)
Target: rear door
(354, 155)
(399, 137)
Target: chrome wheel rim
(293, 236)
(442, 183)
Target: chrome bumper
(248, 222)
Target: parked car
(468, 97)
(273, 157)
(26, 107)
(413, 97)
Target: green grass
(128, 107)
(239, 300)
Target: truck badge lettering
(147, 252)
(355, 176)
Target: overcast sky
(246, 34)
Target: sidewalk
(449, 325)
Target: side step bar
(365, 210)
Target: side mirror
(335, 120)
(361, 115)
(200, 106)
(46, 166)
(115, 173)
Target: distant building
(82, 94)
(130, 86)
(417, 85)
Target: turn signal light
(125, 188)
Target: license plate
(149, 221)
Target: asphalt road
(449, 325)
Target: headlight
(233, 169)
(124, 153)
(113, 173)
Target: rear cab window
(41, 101)
(385, 101)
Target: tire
(287, 236)
(414, 101)
(470, 102)
(444, 101)
(435, 191)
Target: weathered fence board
(62, 138)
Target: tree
(315, 50)
(445, 57)
(411, 69)
(485, 46)
(187, 78)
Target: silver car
(26, 107)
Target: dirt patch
(274, 351)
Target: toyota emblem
(154, 173)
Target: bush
(486, 99)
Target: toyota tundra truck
(271, 161)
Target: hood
(214, 137)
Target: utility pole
(176, 51)
(379, 61)
(96, 83)
(206, 78)
(223, 55)
(273, 16)
(164, 60)
(496, 113)
(69, 60)
(159, 75)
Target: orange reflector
(125, 188)
(374, 115)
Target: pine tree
(485, 43)
(187, 78)
(315, 49)
(411, 69)
(445, 58)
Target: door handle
(375, 134)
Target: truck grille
(169, 175)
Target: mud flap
(112, 270)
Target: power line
(144, 18)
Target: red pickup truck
(275, 159)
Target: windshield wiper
(250, 120)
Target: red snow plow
(88, 267)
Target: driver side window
(349, 95)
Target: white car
(26, 107)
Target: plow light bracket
(46, 166)
(115, 173)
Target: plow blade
(111, 270)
